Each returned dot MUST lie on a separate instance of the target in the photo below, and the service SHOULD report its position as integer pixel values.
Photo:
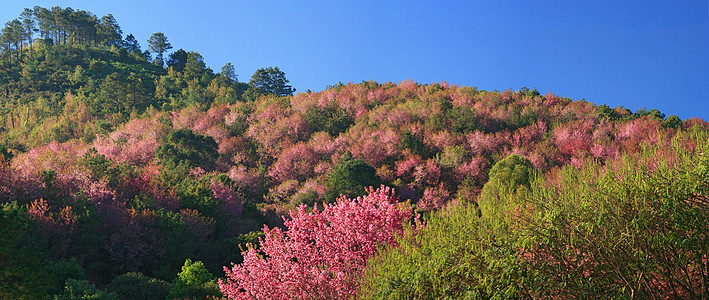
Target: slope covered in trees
(115, 169)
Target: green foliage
(271, 80)
(629, 229)
(195, 193)
(519, 118)
(82, 289)
(194, 282)
(673, 121)
(613, 114)
(177, 60)
(636, 218)
(102, 168)
(158, 43)
(459, 119)
(23, 263)
(463, 119)
(331, 119)
(64, 270)
(309, 198)
(182, 150)
(249, 240)
(185, 145)
(642, 111)
(5, 153)
(120, 94)
(413, 142)
(507, 176)
(350, 177)
(526, 92)
(228, 73)
(452, 257)
(138, 286)
(452, 157)
(514, 170)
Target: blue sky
(632, 53)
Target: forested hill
(127, 176)
(50, 53)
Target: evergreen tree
(158, 43)
(229, 72)
(109, 32)
(271, 80)
(131, 44)
(29, 25)
(177, 60)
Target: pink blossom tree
(322, 254)
(294, 163)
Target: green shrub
(350, 177)
(138, 286)
(82, 289)
(194, 282)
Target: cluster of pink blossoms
(323, 253)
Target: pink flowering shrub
(322, 254)
(186, 118)
(372, 145)
(275, 127)
(294, 163)
(434, 197)
(631, 135)
(229, 198)
(134, 143)
(574, 138)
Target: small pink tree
(322, 254)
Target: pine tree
(271, 80)
(158, 43)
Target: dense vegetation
(127, 177)
(633, 228)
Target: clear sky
(632, 53)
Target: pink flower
(322, 254)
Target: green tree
(64, 270)
(350, 177)
(108, 31)
(177, 60)
(131, 44)
(331, 119)
(138, 286)
(45, 21)
(12, 35)
(229, 72)
(5, 153)
(120, 94)
(158, 43)
(195, 66)
(182, 150)
(514, 170)
(271, 80)
(673, 121)
(194, 282)
(28, 23)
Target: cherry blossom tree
(322, 254)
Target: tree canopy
(271, 80)
(158, 43)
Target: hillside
(117, 169)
